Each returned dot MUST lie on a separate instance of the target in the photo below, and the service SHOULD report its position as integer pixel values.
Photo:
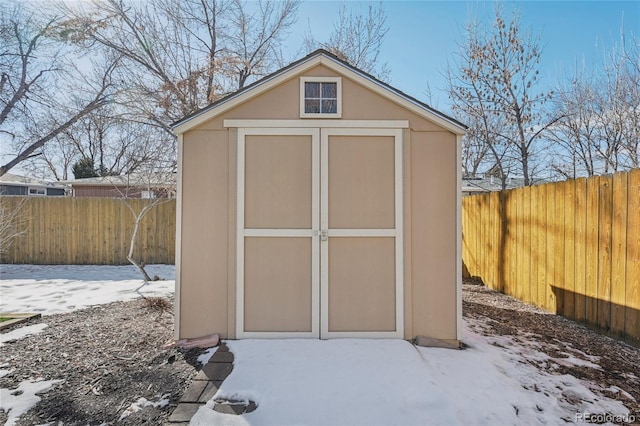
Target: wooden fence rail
(65, 230)
(571, 248)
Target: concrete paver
(204, 386)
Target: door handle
(323, 233)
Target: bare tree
(599, 126)
(142, 191)
(483, 148)
(619, 107)
(180, 56)
(159, 188)
(255, 37)
(477, 147)
(114, 145)
(575, 134)
(493, 80)
(35, 86)
(357, 39)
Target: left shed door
(278, 254)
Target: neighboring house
(319, 202)
(158, 185)
(11, 184)
(478, 185)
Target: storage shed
(318, 202)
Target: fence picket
(568, 289)
(591, 281)
(618, 252)
(604, 253)
(632, 272)
(558, 257)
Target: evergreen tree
(84, 168)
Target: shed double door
(319, 243)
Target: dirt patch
(109, 357)
(567, 343)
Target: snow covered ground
(18, 401)
(55, 289)
(377, 382)
(496, 380)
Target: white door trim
(242, 232)
(397, 232)
(316, 123)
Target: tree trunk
(132, 244)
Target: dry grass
(157, 303)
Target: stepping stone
(251, 407)
(183, 412)
(192, 394)
(221, 357)
(235, 409)
(214, 371)
(210, 391)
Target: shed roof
(315, 58)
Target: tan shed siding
(205, 232)
(358, 103)
(433, 248)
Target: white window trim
(39, 192)
(337, 80)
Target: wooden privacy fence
(65, 230)
(572, 248)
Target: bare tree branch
(357, 39)
(493, 83)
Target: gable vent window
(320, 97)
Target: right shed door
(361, 233)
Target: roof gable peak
(313, 59)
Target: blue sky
(422, 35)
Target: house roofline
(34, 185)
(315, 58)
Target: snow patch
(615, 389)
(16, 402)
(206, 356)
(572, 361)
(54, 289)
(20, 333)
(142, 403)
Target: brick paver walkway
(204, 386)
